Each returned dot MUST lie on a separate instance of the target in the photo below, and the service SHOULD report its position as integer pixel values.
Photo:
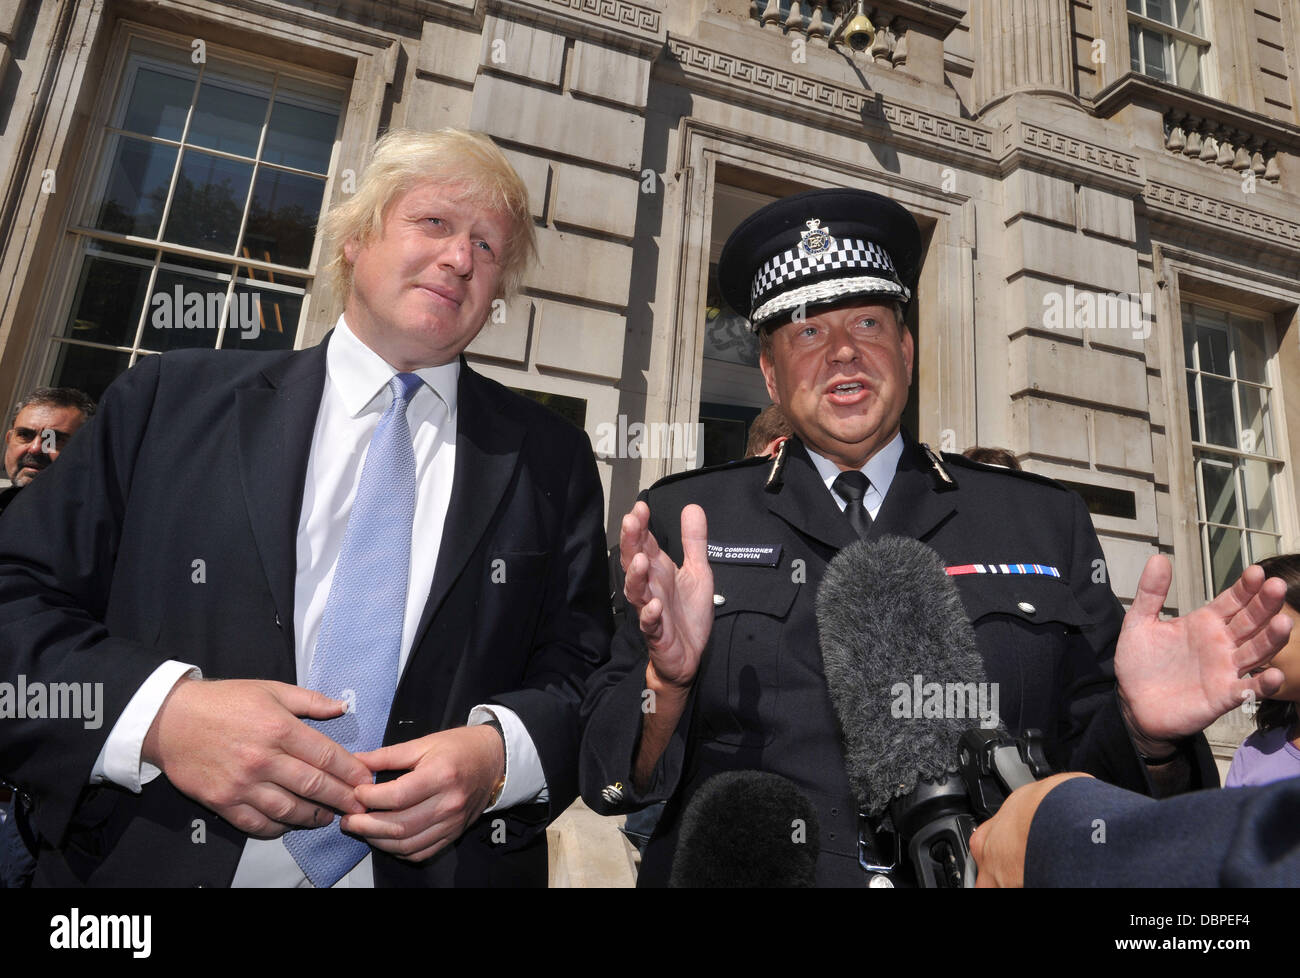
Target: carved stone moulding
(739, 75)
(1223, 214)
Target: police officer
(720, 669)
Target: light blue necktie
(360, 641)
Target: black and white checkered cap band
(844, 253)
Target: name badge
(734, 553)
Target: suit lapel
(487, 451)
(806, 504)
(275, 422)
(915, 503)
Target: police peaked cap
(816, 247)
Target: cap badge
(816, 241)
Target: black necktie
(852, 487)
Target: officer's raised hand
(674, 604)
(1177, 677)
(674, 608)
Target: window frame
(90, 172)
(1203, 43)
(1280, 462)
(1203, 451)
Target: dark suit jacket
(201, 455)
(760, 699)
(1233, 837)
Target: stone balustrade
(816, 21)
(1220, 144)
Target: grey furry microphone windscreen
(889, 621)
(747, 829)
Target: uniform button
(277, 621)
(718, 599)
(835, 811)
(832, 835)
(1026, 607)
(612, 793)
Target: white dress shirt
(879, 470)
(354, 398)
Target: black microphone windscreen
(747, 829)
(903, 670)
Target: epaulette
(962, 460)
(739, 463)
(942, 479)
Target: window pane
(1252, 363)
(1258, 489)
(1262, 545)
(110, 295)
(158, 100)
(1256, 430)
(1153, 52)
(230, 110)
(262, 318)
(301, 133)
(1187, 14)
(1206, 316)
(209, 202)
(1193, 408)
(1225, 557)
(1159, 10)
(1189, 343)
(87, 368)
(1220, 422)
(1187, 65)
(139, 174)
(1135, 6)
(1219, 491)
(1212, 345)
(282, 217)
(1134, 47)
(185, 310)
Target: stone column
(1021, 45)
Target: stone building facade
(1109, 192)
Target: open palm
(1177, 677)
(674, 604)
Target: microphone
(747, 829)
(906, 681)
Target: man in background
(43, 423)
(767, 431)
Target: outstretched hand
(1177, 677)
(674, 604)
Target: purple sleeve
(1242, 762)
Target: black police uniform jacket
(760, 699)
